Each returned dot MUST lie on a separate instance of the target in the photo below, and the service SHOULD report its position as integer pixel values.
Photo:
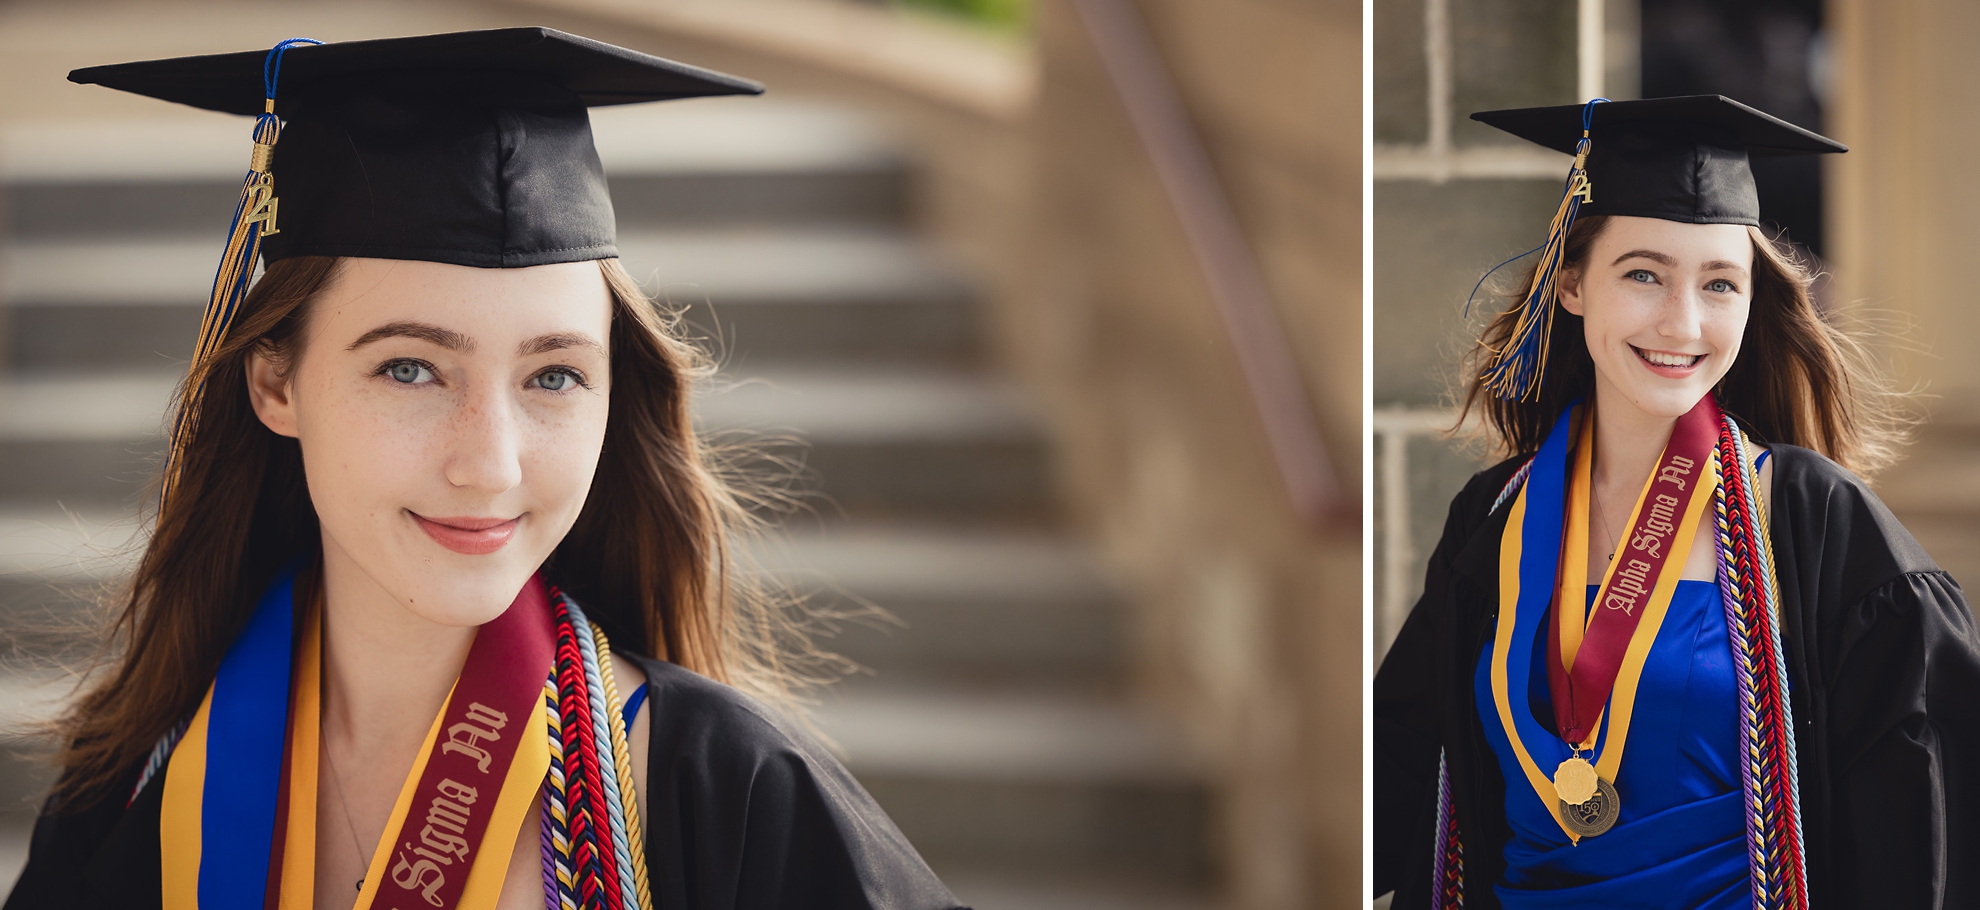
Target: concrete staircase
(991, 723)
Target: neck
(1628, 442)
(386, 671)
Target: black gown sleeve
(747, 812)
(103, 856)
(1902, 680)
(1408, 703)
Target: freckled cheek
(560, 455)
(367, 451)
(1728, 330)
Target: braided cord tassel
(1512, 486)
(584, 792)
(1447, 880)
(560, 882)
(1768, 773)
(1797, 855)
(620, 851)
(622, 764)
(160, 754)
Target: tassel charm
(254, 218)
(1517, 368)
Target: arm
(1903, 717)
(1407, 703)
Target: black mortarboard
(1679, 159)
(469, 148)
(1682, 159)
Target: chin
(464, 595)
(1670, 403)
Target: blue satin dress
(1680, 841)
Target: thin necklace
(1604, 515)
(337, 776)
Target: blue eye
(554, 380)
(408, 371)
(1721, 286)
(1644, 276)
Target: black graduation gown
(745, 811)
(1883, 664)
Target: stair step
(768, 295)
(892, 441)
(1046, 783)
(728, 161)
(971, 604)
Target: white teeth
(1663, 359)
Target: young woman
(1674, 653)
(434, 492)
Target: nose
(486, 454)
(1680, 318)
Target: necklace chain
(1603, 514)
(345, 803)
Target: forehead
(1687, 243)
(563, 297)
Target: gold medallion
(1594, 816)
(1574, 781)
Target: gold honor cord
(1572, 601)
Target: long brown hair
(1799, 378)
(652, 555)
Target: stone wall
(1454, 198)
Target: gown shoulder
(749, 811)
(104, 855)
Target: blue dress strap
(1757, 462)
(633, 701)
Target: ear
(1568, 289)
(272, 393)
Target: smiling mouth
(468, 535)
(1667, 360)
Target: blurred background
(1062, 298)
(1889, 223)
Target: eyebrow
(1721, 265)
(1651, 255)
(557, 341)
(446, 338)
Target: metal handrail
(1238, 287)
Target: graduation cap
(1684, 159)
(469, 148)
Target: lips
(468, 535)
(1668, 363)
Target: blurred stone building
(940, 252)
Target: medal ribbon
(1591, 647)
(1538, 553)
(477, 774)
